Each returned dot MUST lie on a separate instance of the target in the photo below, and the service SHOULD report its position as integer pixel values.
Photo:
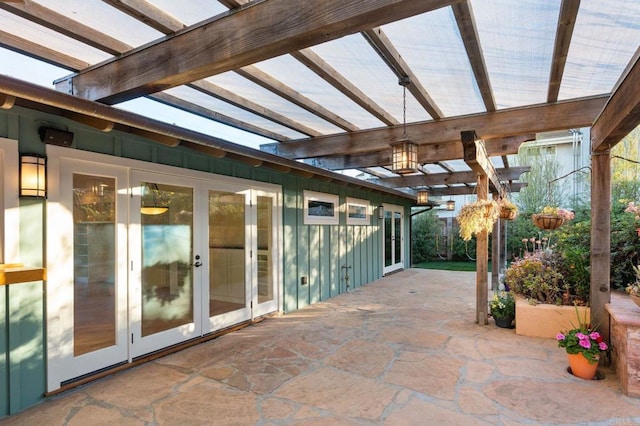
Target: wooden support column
(496, 243)
(482, 259)
(600, 293)
(475, 155)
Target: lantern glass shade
(422, 197)
(33, 176)
(451, 205)
(152, 201)
(404, 157)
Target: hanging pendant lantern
(422, 197)
(451, 205)
(404, 153)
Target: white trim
(312, 219)
(9, 202)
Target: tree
(544, 168)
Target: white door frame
(396, 264)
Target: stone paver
(403, 350)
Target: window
(358, 212)
(320, 209)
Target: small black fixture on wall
(53, 136)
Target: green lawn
(448, 265)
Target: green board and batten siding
(317, 252)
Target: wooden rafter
(316, 64)
(503, 123)
(387, 51)
(466, 24)
(261, 31)
(40, 52)
(622, 113)
(55, 21)
(566, 23)
(512, 173)
(264, 80)
(151, 15)
(216, 91)
(201, 111)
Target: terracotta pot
(580, 366)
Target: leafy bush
(537, 277)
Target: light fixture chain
(404, 111)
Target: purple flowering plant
(583, 339)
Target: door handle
(197, 263)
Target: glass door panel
(227, 252)
(265, 249)
(393, 240)
(167, 250)
(94, 242)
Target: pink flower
(603, 346)
(594, 335)
(581, 336)
(559, 336)
(585, 343)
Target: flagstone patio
(403, 350)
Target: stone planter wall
(546, 320)
(625, 342)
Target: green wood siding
(316, 252)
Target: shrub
(537, 278)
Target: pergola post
(482, 259)
(496, 244)
(600, 293)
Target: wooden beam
(564, 32)
(387, 51)
(7, 101)
(492, 125)
(316, 64)
(475, 155)
(427, 153)
(263, 30)
(158, 137)
(600, 290)
(264, 80)
(622, 113)
(87, 120)
(467, 26)
(468, 190)
(454, 178)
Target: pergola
(315, 82)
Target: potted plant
(634, 288)
(551, 218)
(583, 346)
(476, 217)
(508, 210)
(503, 309)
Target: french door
(393, 234)
(87, 324)
(139, 261)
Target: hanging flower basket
(476, 217)
(547, 222)
(552, 218)
(508, 210)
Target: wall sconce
(451, 205)
(404, 157)
(157, 205)
(380, 212)
(422, 197)
(33, 175)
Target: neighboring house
(147, 246)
